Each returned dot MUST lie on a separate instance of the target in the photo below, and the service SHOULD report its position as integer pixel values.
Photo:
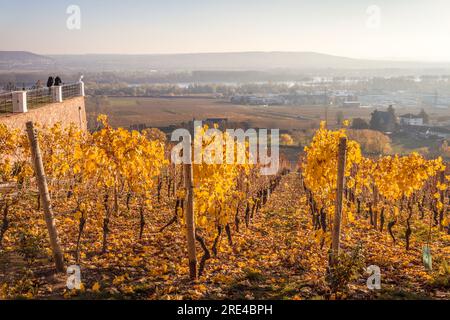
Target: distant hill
(257, 61)
(23, 60)
(21, 56)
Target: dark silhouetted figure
(50, 82)
(58, 81)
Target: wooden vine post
(189, 219)
(45, 197)
(442, 198)
(375, 207)
(174, 180)
(342, 155)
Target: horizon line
(386, 59)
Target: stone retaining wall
(69, 111)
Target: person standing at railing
(50, 82)
(58, 81)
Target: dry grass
(161, 112)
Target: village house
(410, 119)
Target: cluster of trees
(379, 84)
(384, 121)
(123, 89)
(225, 90)
(372, 142)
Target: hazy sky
(411, 29)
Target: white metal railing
(21, 101)
(6, 102)
(39, 97)
(71, 91)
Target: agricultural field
(162, 112)
(300, 122)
